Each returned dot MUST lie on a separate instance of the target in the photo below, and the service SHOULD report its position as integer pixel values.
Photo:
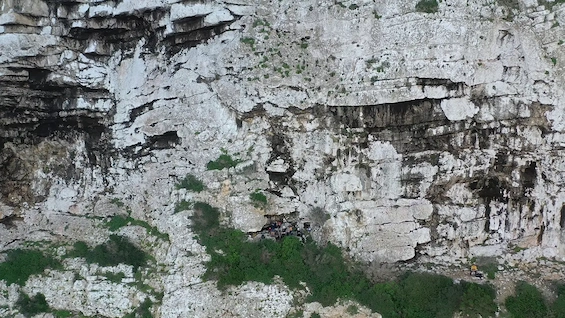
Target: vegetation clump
(258, 198)
(527, 302)
(32, 306)
(115, 277)
(117, 250)
(558, 307)
(477, 301)
(118, 221)
(427, 6)
(329, 277)
(22, 263)
(191, 183)
(224, 161)
(182, 205)
(143, 311)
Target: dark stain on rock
(529, 175)
(280, 150)
(387, 115)
(164, 141)
(489, 189)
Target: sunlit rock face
(399, 135)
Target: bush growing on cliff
(558, 307)
(429, 296)
(258, 198)
(117, 250)
(527, 302)
(143, 311)
(191, 183)
(21, 263)
(224, 161)
(329, 277)
(182, 205)
(118, 221)
(32, 306)
(478, 301)
(427, 6)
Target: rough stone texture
(402, 136)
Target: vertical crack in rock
(280, 166)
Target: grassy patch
(427, 6)
(115, 278)
(329, 277)
(205, 219)
(352, 310)
(182, 205)
(32, 306)
(248, 41)
(62, 313)
(118, 221)
(527, 302)
(117, 250)
(511, 4)
(224, 161)
(258, 198)
(190, 183)
(478, 302)
(21, 263)
(490, 269)
(143, 311)
(558, 307)
(117, 202)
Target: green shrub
(118, 221)
(224, 161)
(21, 263)
(427, 6)
(352, 310)
(490, 269)
(205, 218)
(117, 250)
(62, 313)
(248, 41)
(182, 205)
(315, 315)
(115, 277)
(429, 296)
(32, 306)
(191, 183)
(143, 311)
(511, 4)
(527, 302)
(329, 277)
(478, 301)
(117, 202)
(258, 198)
(558, 307)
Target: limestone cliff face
(401, 135)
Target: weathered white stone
(287, 106)
(458, 108)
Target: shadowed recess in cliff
(192, 31)
(110, 34)
(489, 189)
(388, 115)
(280, 145)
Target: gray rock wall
(401, 135)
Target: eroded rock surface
(400, 135)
